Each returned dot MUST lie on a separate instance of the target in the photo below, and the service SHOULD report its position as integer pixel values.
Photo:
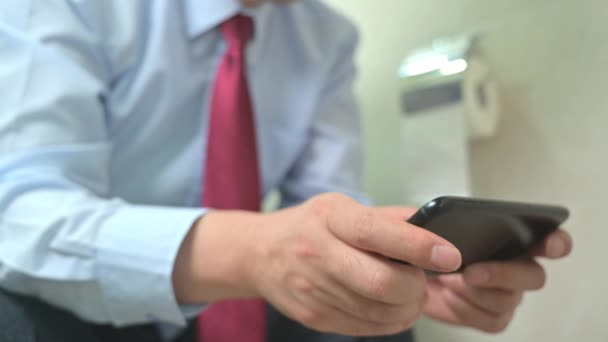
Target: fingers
(485, 296)
(336, 294)
(375, 277)
(556, 245)
(383, 231)
(329, 303)
(446, 305)
(322, 315)
(471, 315)
(357, 306)
(519, 275)
(494, 301)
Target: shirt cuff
(136, 251)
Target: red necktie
(232, 178)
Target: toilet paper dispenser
(451, 71)
(448, 99)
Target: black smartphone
(485, 230)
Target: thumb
(397, 212)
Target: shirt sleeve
(332, 160)
(63, 239)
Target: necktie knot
(237, 31)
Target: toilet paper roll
(441, 119)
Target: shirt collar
(203, 15)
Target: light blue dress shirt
(103, 126)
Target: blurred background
(548, 58)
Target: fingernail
(556, 247)
(477, 275)
(445, 257)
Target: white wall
(550, 58)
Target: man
(132, 132)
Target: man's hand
(324, 263)
(486, 295)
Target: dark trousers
(24, 319)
